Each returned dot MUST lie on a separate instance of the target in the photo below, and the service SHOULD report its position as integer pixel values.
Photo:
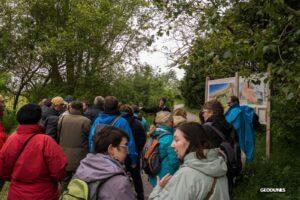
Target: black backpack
(232, 150)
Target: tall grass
(281, 171)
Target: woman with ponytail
(202, 174)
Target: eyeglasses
(124, 146)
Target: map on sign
(221, 89)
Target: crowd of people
(61, 145)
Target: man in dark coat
(50, 117)
(162, 107)
(93, 112)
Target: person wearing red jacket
(31, 160)
(3, 134)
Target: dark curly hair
(108, 135)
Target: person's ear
(110, 150)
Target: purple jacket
(99, 167)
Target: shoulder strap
(216, 130)
(60, 127)
(115, 120)
(211, 191)
(23, 147)
(164, 134)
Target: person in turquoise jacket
(167, 155)
(111, 113)
(241, 118)
(202, 174)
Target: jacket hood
(98, 167)
(213, 165)
(29, 129)
(49, 112)
(107, 118)
(220, 122)
(162, 129)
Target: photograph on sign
(253, 93)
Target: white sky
(157, 59)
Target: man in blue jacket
(241, 118)
(111, 115)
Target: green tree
(68, 46)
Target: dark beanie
(29, 114)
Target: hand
(133, 166)
(164, 181)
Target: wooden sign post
(206, 89)
(268, 118)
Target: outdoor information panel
(251, 91)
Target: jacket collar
(29, 129)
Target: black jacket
(137, 131)
(92, 113)
(222, 125)
(156, 109)
(49, 121)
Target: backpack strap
(115, 120)
(164, 134)
(60, 127)
(209, 124)
(211, 191)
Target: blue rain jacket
(167, 155)
(241, 118)
(121, 124)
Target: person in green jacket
(202, 174)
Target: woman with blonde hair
(164, 133)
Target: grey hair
(99, 101)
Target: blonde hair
(163, 117)
(180, 112)
(178, 120)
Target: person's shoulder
(166, 138)
(191, 174)
(84, 119)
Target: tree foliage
(249, 37)
(65, 46)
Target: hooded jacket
(167, 155)
(92, 113)
(50, 119)
(241, 119)
(195, 178)
(38, 169)
(99, 167)
(222, 125)
(122, 124)
(3, 135)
